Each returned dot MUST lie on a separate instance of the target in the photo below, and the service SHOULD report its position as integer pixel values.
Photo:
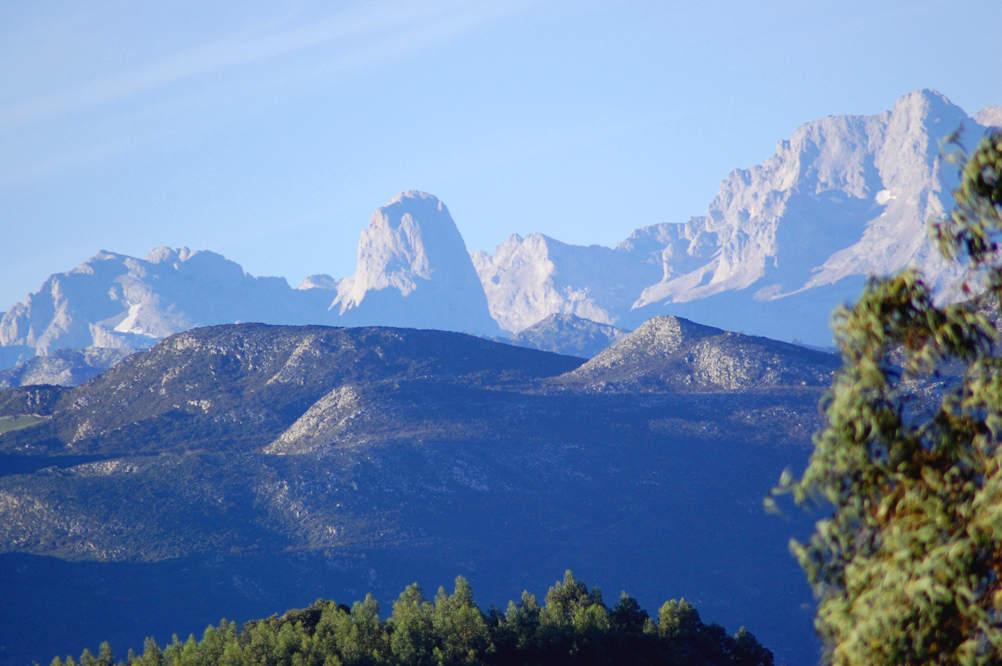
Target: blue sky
(269, 132)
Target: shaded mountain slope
(366, 458)
(240, 386)
(675, 354)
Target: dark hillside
(279, 464)
(30, 400)
(238, 387)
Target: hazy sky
(269, 132)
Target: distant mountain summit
(782, 243)
(568, 334)
(414, 270)
(990, 116)
(780, 246)
(63, 367)
(122, 302)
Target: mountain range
(257, 467)
(781, 244)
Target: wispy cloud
(421, 23)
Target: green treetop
(909, 565)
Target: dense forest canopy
(573, 626)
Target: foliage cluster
(909, 566)
(573, 626)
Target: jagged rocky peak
(414, 270)
(528, 279)
(814, 213)
(122, 302)
(782, 243)
(318, 281)
(990, 116)
(672, 354)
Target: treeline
(573, 626)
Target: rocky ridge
(413, 270)
(121, 302)
(674, 354)
(781, 244)
(63, 367)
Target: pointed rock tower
(414, 271)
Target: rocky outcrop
(781, 244)
(674, 354)
(414, 270)
(121, 302)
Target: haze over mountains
(781, 244)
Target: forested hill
(573, 626)
(236, 471)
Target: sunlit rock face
(414, 270)
(118, 301)
(528, 279)
(782, 243)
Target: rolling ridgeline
(238, 470)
